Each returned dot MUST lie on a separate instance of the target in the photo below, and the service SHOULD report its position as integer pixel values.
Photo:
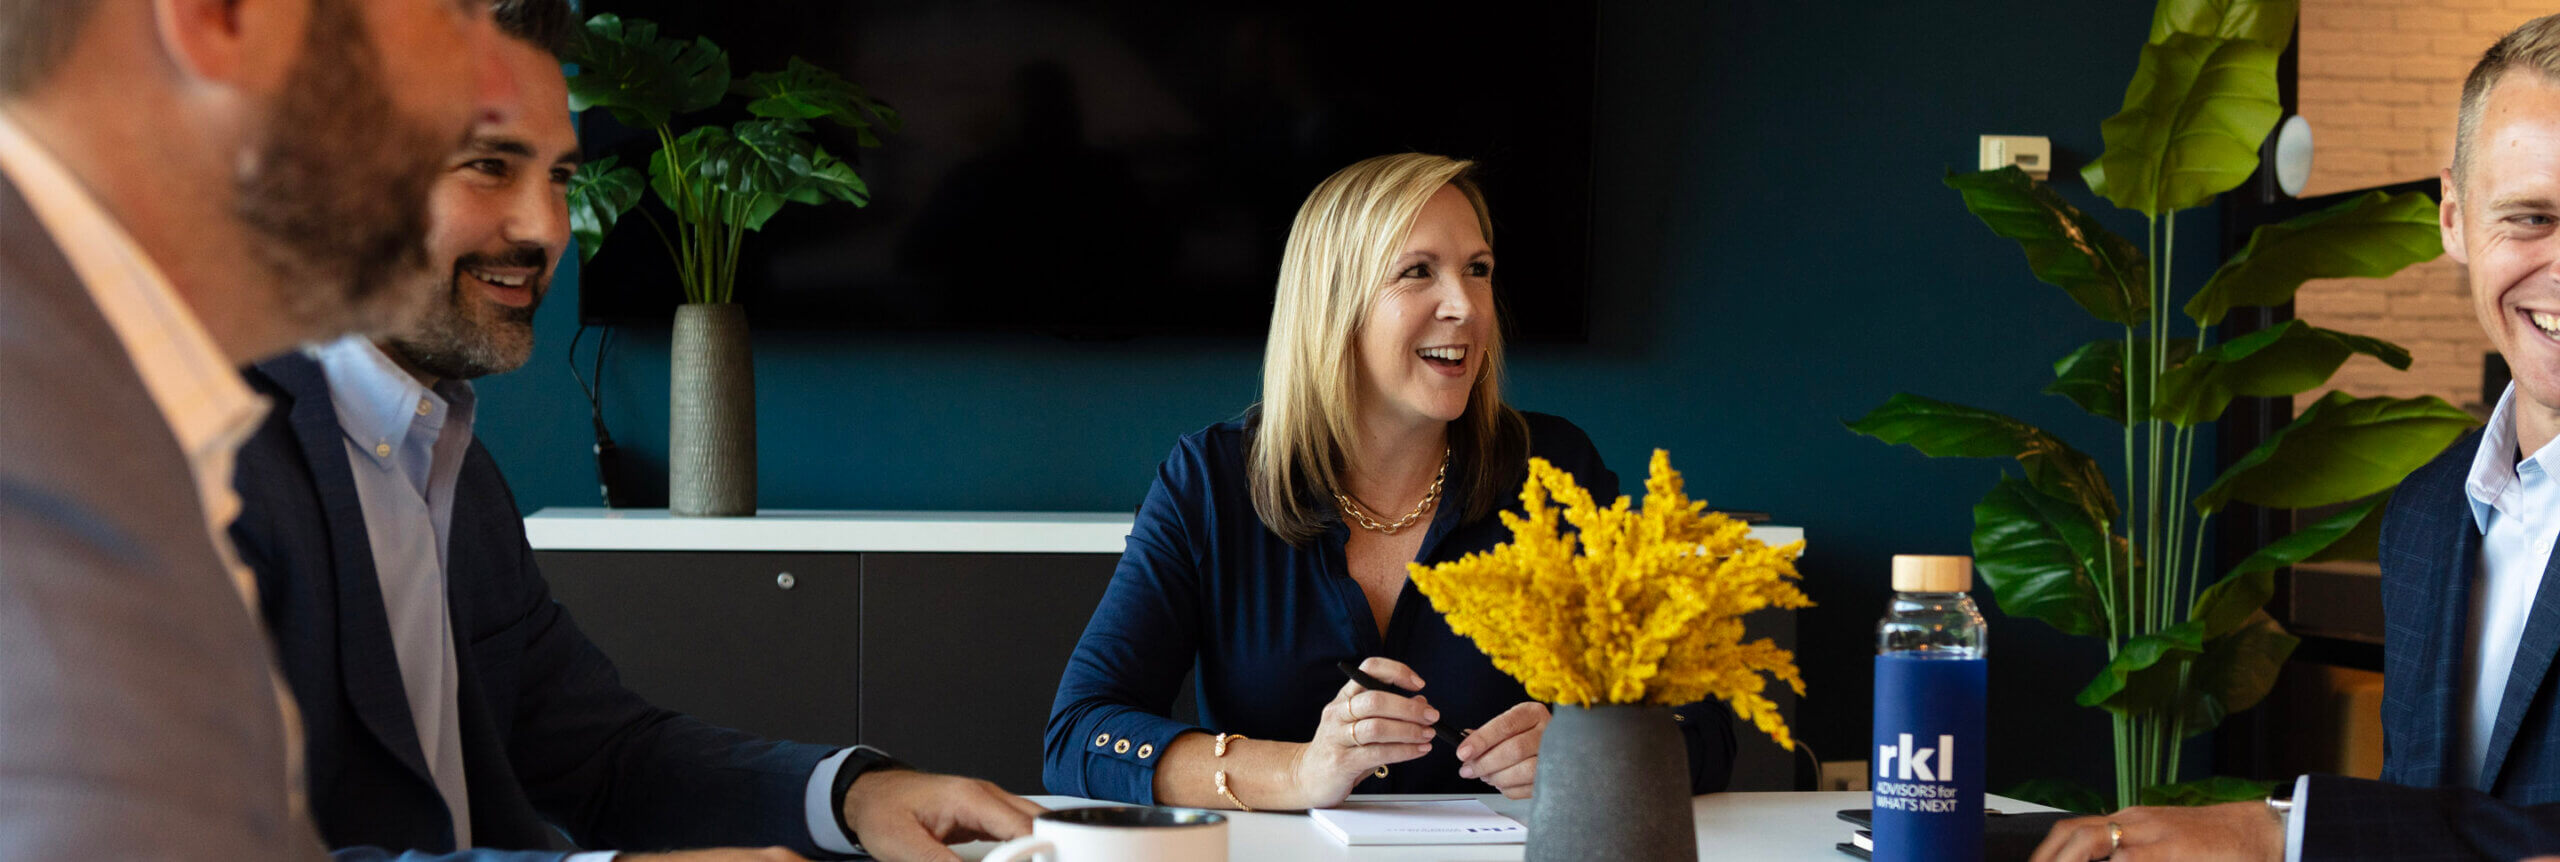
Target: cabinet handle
(785, 580)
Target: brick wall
(2380, 80)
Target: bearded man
(185, 186)
(454, 709)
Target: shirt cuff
(593, 856)
(1121, 752)
(825, 827)
(2293, 823)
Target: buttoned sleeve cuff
(819, 803)
(2293, 824)
(1120, 753)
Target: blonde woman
(1273, 547)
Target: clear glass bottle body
(1933, 625)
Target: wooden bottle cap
(1913, 573)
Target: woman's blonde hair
(1346, 236)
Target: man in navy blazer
(451, 707)
(2471, 736)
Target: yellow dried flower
(1650, 610)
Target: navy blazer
(1205, 585)
(549, 735)
(2430, 551)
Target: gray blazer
(138, 712)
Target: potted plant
(2058, 544)
(720, 183)
(1614, 620)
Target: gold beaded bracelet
(1223, 790)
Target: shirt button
(382, 450)
(1101, 739)
(425, 407)
(1146, 751)
(1121, 747)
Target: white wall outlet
(2030, 153)
(1844, 775)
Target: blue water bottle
(1931, 677)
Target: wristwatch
(861, 759)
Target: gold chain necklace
(1360, 515)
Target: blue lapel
(2524, 682)
(368, 665)
(2428, 563)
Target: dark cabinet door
(763, 642)
(961, 655)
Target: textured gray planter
(711, 428)
(1613, 783)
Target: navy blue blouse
(1205, 586)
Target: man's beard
(335, 192)
(466, 336)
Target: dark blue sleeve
(1706, 726)
(1108, 727)
(617, 772)
(377, 854)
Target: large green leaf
(626, 67)
(806, 91)
(2228, 604)
(2143, 675)
(685, 173)
(2362, 543)
(2065, 248)
(2339, 449)
(2190, 126)
(2040, 556)
(598, 196)
(2266, 22)
(832, 179)
(2235, 672)
(2370, 236)
(2208, 791)
(2288, 358)
(2093, 376)
(1942, 430)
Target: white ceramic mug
(1120, 833)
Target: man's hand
(2236, 831)
(731, 854)
(1504, 752)
(902, 815)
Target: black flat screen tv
(1119, 168)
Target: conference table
(1772, 827)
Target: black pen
(1373, 684)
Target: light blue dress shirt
(406, 442)
(2516, 504)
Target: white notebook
(1438, 821)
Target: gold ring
(1382, 772)
(2115, 838)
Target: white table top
(1765, 827)
(560, 528)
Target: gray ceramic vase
(1613, 783)
(711, 427)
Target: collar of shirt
(389, 416)
(209, 409)
(2494, 466)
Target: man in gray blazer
(185, 186)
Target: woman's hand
(1362, 730)
(1504, 752)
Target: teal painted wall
(1774, 254)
